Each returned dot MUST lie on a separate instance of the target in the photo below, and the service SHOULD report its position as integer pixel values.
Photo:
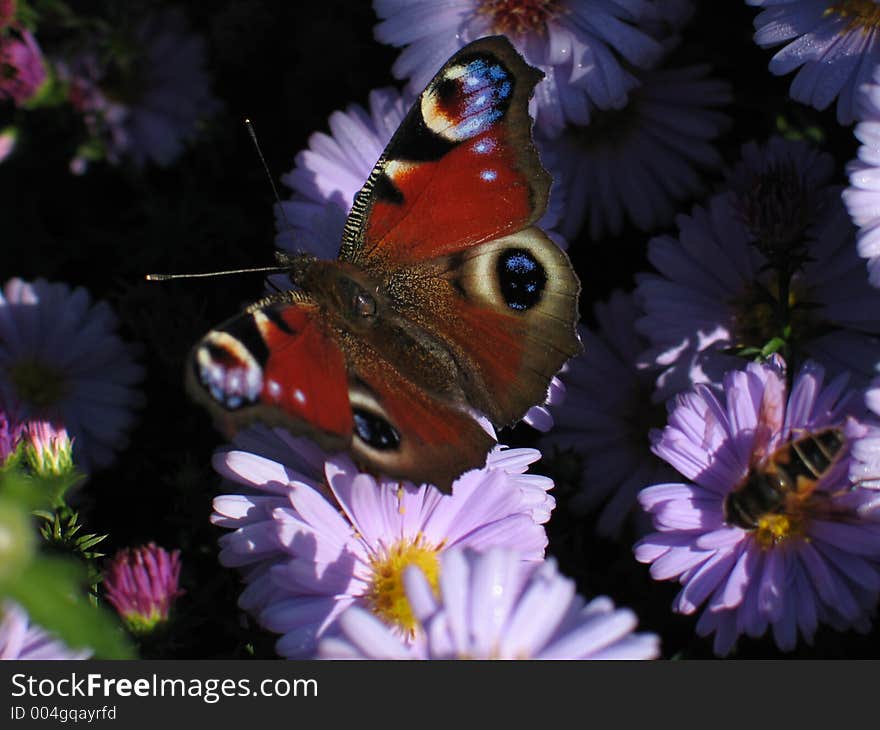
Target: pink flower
(12, 430)
(142, 584)
(22, 69)
(49, 449)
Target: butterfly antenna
(166, 277)
(284, 263)
(253, 134)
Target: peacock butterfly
(445, 303)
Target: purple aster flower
(606, 416)
(492, 606)
(61, 360)
(865, 463)
(814, 557)
(585, 48)
(636, 163)
(328, 175)
(715, 290)
(161, 95)
(665, 20)
(22, 68)
(276, 460)
(142, 584)
(20, 639)
(832, 42)
(862, 197)
(315, 536)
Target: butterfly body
(445, 303)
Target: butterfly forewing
(278, 364)
(461, 169)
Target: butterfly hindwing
(421, 437)
(506, 310)
(286, 364)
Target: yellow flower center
(864, 14)
(37, 384)
(520, 17)
(386, 596)
(774, 528)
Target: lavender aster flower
(329, 173)
(832, 42)
(815, 558)
(142, 584)
(277, 460)
(636, 163)
(584, 47)
(20, 639)
(306, 561)
(492, 606)
(715, 290)
(666, 19)
(22, 68)
(865, 464)
(862, 198)
(162, 97)
(607, 414)
(61, 361)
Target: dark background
(288, 65)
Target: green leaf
(16, 540)
(775, 345)
(89, 541)
(815, 134)
(747, 352)
(29, 493)
(51, 591)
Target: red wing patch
(472, 194)
(304, 374)
(276, 364)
